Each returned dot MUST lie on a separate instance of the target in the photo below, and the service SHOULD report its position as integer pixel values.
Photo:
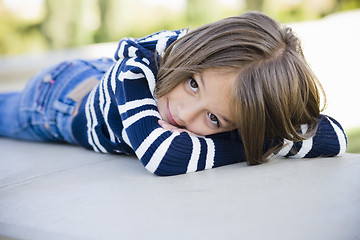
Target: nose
(188, 112)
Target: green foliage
(353, 140)
(68, 23)
(18, 36)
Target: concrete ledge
(55, 191)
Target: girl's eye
(214, 119)
(193, 85)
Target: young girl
(234, 90)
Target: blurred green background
(28, 26)
(34, 26)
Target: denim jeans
(43, 111)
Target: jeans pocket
(63, 118)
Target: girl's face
(201, 104)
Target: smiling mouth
(170, 117)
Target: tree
(69, 23)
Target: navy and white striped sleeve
(330, 140)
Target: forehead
(219, 86)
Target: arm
(330, 140)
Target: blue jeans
(43, 111)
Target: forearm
(329, 140)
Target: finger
(166, 125)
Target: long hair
(275, 91)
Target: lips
(170, 117)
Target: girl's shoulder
(162, 35)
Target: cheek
(177, 93)
(178, 90)
(161, 105)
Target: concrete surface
(54, 191)
(58, 191)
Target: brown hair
(276, 90)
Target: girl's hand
(172, 128)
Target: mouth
(170, 117)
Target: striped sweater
(120, 116)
